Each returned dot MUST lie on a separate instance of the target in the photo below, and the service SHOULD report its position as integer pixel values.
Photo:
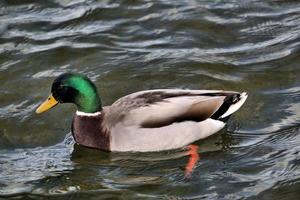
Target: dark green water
(126, 46)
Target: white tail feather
(234, 107)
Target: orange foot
(194, 157)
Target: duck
(144, 121)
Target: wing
(157, 108)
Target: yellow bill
(46, 105)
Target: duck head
(73, 88)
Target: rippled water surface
(126, 46)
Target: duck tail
(231, 104)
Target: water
(127, 46)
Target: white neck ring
(79, 113)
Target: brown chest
(88, 131)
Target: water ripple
(126, 46)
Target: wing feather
(156, 108)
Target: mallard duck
(151, 120)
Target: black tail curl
(228, 101)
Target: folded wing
(158, 108)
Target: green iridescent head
(73, 88)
